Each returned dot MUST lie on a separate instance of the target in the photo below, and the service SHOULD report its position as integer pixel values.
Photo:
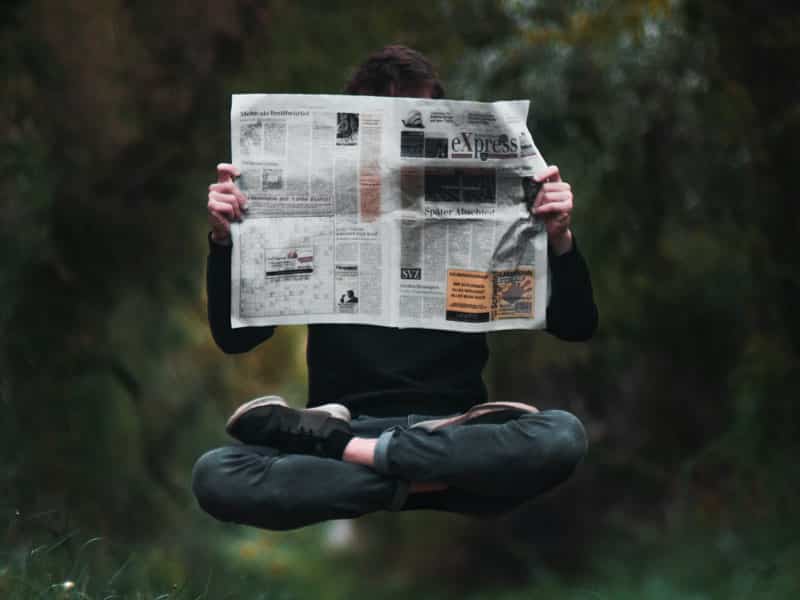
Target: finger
(228, 199)
(226, 172)
(221, 209)
(549, 173)
(226, 187)
(230, 188)
(556, 186)
(539, 199)
(220, 197)
(554, 207)
(549, 197)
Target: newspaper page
(400, 212)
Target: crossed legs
(477, 469)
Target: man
(397, 419)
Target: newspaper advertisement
(399, 212)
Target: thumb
(226, 172)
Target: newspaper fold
(401, 212)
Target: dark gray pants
(489, 469)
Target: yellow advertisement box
(469, 296)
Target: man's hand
(226, 203)
(553, 204)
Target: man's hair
(395, 68)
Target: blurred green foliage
(675, 121)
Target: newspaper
(400, 212)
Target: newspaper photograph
(399, 212)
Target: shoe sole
(335, 411)
(475, 412)
(247, 406)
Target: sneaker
(493, 413)
(269, 421)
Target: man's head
(396, 71)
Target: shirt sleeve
(571, 313)
(218, 289)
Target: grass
(217, 562)
(224, 564)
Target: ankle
(360, 451)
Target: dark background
(676, 122)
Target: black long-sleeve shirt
(384, 371)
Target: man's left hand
(553, 204)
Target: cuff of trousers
(215, 247)
(382, 451)
(400, 495)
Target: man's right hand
(226, 203)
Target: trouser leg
(258, 486)
(489, 469)
(514, 460)
(449, 500)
